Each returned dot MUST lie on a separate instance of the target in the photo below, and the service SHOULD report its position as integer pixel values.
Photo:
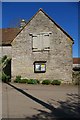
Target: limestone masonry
(42, 50)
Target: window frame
(39, 63)
(46, 48)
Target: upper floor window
(41, 41)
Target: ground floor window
(40, 66)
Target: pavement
(39, 102)
(0, 100)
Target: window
(41, 41)
(40, 66)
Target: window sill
(46, 49)
(38, 50)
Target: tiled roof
(8, 34)
(76, 60)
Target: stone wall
(6, 50)
(58, 59)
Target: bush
(76, 77)
(18, 79)
(4, 64)
(56, 82)
(32, 81)
(46, 82)
(5, 78)
(4, 58)
(23, 81)
(38, 81)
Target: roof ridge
(40, 9)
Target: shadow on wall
(68, 109)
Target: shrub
(46, 82)
(76, 77)
(4, 58)
(4, 64)
(38, 81)
(18, 79)
(5, 78)
(32, 81)
(23, 81)
(56, 82)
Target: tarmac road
(39, 102)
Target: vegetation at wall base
(28, 81)
(46, 82)
(56, 82)
(38, 82)
(5, 78)
(35, 81)
(18, 79)
(32, 81)
(23, 81)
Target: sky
(65, 14)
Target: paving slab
(0, 100)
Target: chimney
(22, 23)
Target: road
(39, 102)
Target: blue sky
(63, 13)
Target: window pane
(43, 67)
(38, 67)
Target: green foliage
(18, 79)
(4, 58)
(23, 81)
(35, 81)
(28, 81)
(5, 78)
(76, 77)
(38, 81)
(46, 82)
(32, 81)
(56, 82)
(3, 63)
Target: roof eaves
(5, 44)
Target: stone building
(76, 64)
(42, 50)
(6, 37)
